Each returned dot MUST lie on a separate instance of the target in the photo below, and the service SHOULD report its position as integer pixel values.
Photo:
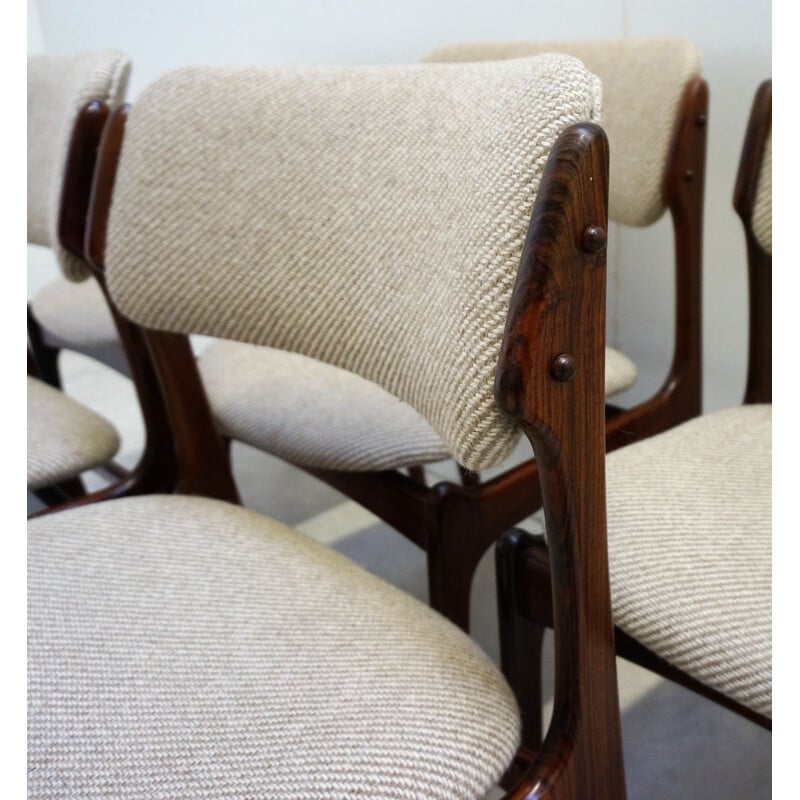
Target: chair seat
(317, 415)
(76, 313)
(184, 647)
(689, 528)
(65, 438)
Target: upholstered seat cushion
(76, 313)
(689, 526)
(65, 438)
(318, 415)
(184, 647)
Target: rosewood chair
(64, 437)
(185, 646)
(689, 522)
(360, 439)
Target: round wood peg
(594, 239)
(563, 368)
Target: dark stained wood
(759, 262)
(550, 378)
(45, 357)
(76, 188)
(201, 454)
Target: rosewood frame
(524, 565)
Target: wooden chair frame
(528, 590)
(554, 388)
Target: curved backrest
(370, 217)
(58, 87)
(643, 81)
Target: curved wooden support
(759, 262)
(550, 377)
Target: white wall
(733, 35)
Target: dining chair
(65, 438)
(362, 441)
(440, 229)
(689, 522)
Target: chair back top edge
(643, 82)
(370, 217)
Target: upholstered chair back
(370, 217)
(643, 80)
(58, 86)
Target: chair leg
(457, 537)
(469, 478)
(521, 638)
(45, 355)
(417, 473)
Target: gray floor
(672, 738)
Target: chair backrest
(370, 217)
(58, 87)
(643, 83)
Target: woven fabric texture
(75, 312)
(370, 217)
(316, 415)
(762, 209)
(312, 413)
(65, 438)
(690, 549)
(643, 79)
(58, 87)
(186, 648)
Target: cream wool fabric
(75, 312)
(65, 438)
(643, 79)
(762, 209)
(690, 549)
(58, 87)
(186, 648)
(316, 415)
(370, 217)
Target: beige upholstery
(334, 229)
(75, 312)
(643, 79)
(64, 437)
(182, 647)
(58, 87)
(689, 536)
(316, 415)
(762, 209)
